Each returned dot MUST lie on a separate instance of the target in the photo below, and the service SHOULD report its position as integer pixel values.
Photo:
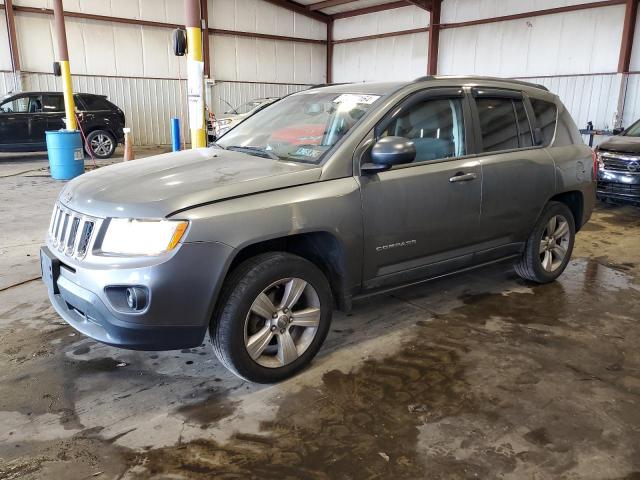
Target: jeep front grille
(70, 232)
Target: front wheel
(548, 248)
(274, 314)
(101, 144)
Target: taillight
(595, 165)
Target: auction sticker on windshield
(356, 98)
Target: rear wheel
(548, 249)
(101, 144)
(274, 314)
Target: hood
(154, 187)
(621, 144)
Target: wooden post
(434, 37)
(628, 29)
(63, 59)
(330, 51)
(195, 69)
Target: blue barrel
(175, 134)
(66, 155)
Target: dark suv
(24, 118)
(619, 166)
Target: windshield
(634, 130)
(300, 127)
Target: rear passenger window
(546, 113)
(435, 126)
(498, 125)
(52, 103)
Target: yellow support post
(195, 68)
(63, 59)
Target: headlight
(129, 236)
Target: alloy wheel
(282, 322)
(101, 144)
(554, 243)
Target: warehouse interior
(481, 374)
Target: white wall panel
(406, 18)
(588, 98)
(8, 83)
(261, 60)
(224, 94)
(560, 44)
(631, 111)
(168, 11)
(465, 10)
(391, 58)
(5, 54)
(634, 65)
(257, 16)
(99, 48)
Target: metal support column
(13, 44)
(195, 69)
(330, 51)
(434, 37)
(63, 59)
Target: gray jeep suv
(325, 196)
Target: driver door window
(436, 127)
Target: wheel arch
(322, 248)
(574, 200)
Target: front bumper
(619, 185)
(182, 293)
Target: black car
(24, 118)
(619, 166)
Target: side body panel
(332, 206)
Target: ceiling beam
(373, 9)
(297, 8)
(423, 4)
(328, 4)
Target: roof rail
(492, 79)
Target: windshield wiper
(257, 151)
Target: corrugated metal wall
(631, 111)
(588, 97)
(149, 104)
(223, 94)
(400, 57)
(134, 65)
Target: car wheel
(548, 248)
(100, 144)
(273, 315)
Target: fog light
(136, 298)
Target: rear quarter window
(97, 103)
(546, 113)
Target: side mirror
(390, 151)
(618, 131)
(179, 42)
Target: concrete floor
(475, 376)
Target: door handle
(463, 177)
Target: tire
(276, 276)
(534, 265)
(101, 144)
